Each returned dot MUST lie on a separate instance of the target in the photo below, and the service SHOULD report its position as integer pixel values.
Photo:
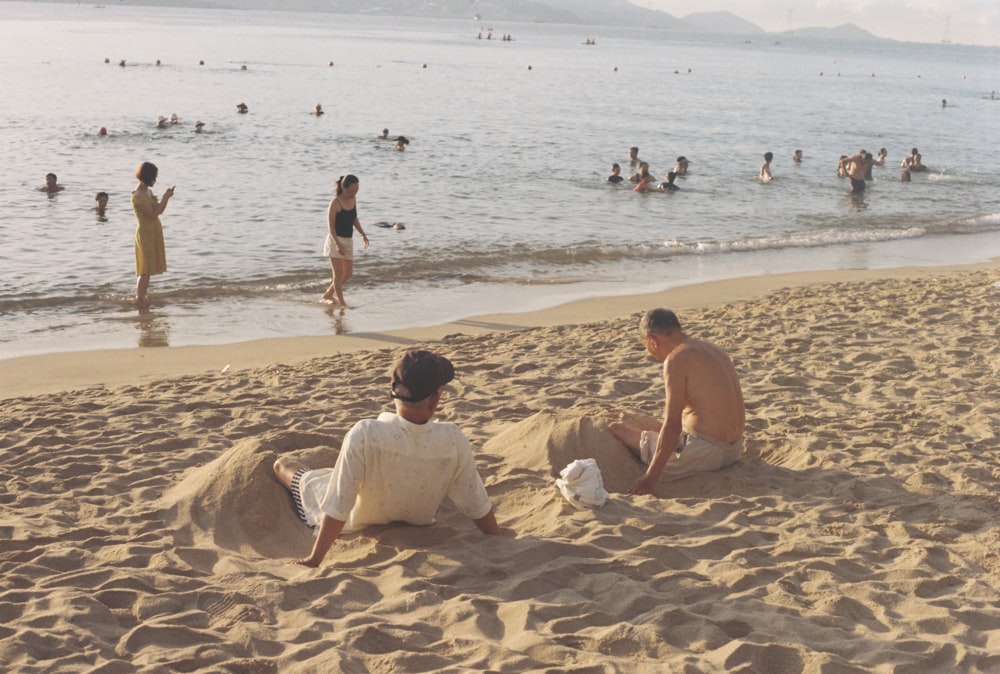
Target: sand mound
(237, 503)
(549, 440)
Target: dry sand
(142, 531)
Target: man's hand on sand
(305, 561)
(644, 485)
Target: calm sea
(502, 188)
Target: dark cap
(419, 374)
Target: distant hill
(582, 12)
(848, 31)
(722, 22)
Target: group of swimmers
(643, 179)
(52, 186)
(857, 167)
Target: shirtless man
(642, 170)
(856, 167)
(51, 184)
(705, 415)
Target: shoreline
(26, 376)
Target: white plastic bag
(582, 485)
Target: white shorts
(696, 454)
(346, 242)
(308, 489)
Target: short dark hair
(101, 194)
(146, 173)
(768, 156)
(659, 321)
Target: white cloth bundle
(582, 485)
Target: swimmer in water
(797, 157)
(637, 176)
(101, 201)
(385, 134)
(615, 176)
(880, 159)
(765, 169)
(402, 142)
(318, 110)
(645, 183)
(393, 225)
(633, 156)
(51, 184)
(668, 185)
(242, 108)
(681, 167)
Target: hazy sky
(964, 21)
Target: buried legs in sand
(285, 468)
(628, 429)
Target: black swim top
(343, 222)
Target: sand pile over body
(141, 528)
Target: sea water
(502, 188)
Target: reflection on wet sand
(154, 330)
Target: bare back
(703, 376)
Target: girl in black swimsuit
(341, 221)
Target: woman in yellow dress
(150, 253)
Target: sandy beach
(142, 528)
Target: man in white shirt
(397, 468)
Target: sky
(960, 21)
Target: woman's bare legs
(141, 288)
(342, 271)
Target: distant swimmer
(162, 122)
(645, 183)
(198, 126)
(681, 167)
(880, 159)
(765, 169)
(637, 176)
(242, 108)
(318, 110)
(615, 176)
(100, 203)
(841, 169)
(51, 184)
(944, 102)
(913, 162)
(856, 167)
(669, 185)
(391, 225)
(633, 156)
(797, 157)
(402, 142)
(174, 119)
(103, 131)
(385, 134)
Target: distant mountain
(722, 22)
(582, 12)
(848, 31)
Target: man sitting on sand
(397, 468)
(705, 415)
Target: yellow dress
(150, 253)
